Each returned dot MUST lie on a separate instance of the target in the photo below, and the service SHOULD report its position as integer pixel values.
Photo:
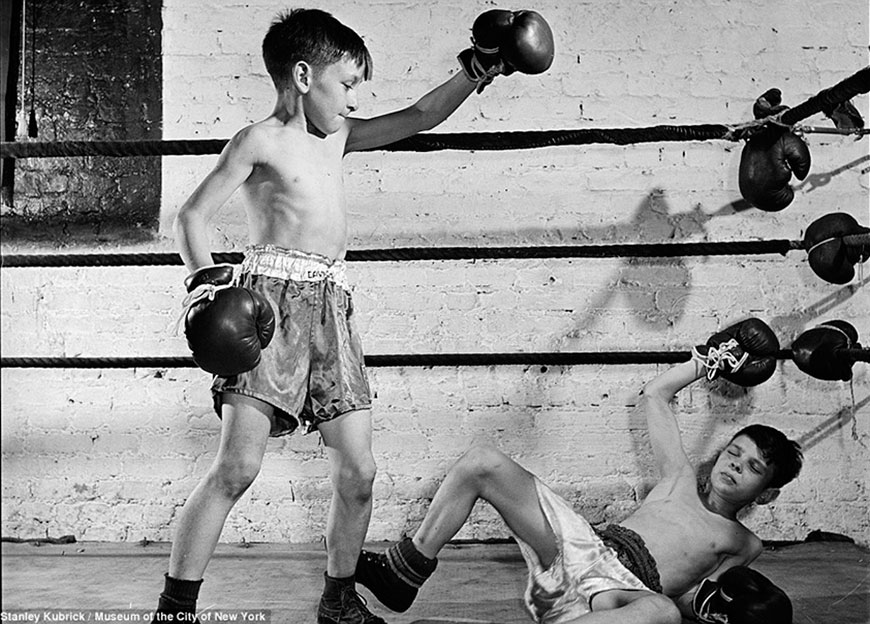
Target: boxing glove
(830, 257)
(821, 352)
(741, 595)
(770, 157)
(744, 353)
(504, 42)
(767, 163)
(226, 326)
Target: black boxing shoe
(394, 577)
(341, 604)
(374, 573)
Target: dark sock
(333, 586)
(179, 596)
(409, 564)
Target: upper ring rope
(486, 141)
(634, 250)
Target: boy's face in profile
(332, 96)
(741, 472)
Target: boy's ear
(767, 496)
(301, 76)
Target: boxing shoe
(341, 604)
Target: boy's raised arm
(425, 114)
(664, 432)
(503, 42)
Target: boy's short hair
(784, 454)
(313, 36)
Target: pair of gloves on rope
(745, 353)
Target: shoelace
(718, 358)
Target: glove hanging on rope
(770, 157)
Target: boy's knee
(479, 462)
(235, 477)
(355, 481)
(665, 609)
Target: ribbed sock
(333, 586)
(179, 596)
(409, 564)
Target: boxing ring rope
(484, 141)
(633, 250)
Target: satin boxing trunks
(313, 370)
(585, 565)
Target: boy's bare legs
(348, 440)
(484, 472)
(244, 432)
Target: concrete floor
(829, 582)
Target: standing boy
(289, 169)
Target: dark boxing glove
(226, 326)
(743, 353)
(822, 352)
(831, 257)
(504, 42)
(741, 596)
(769, 159)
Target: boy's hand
(226, 326)
(504, 42)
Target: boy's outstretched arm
(503, 42)
(664, 433)
(425, 114)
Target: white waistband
(291, 264)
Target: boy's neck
(288, 107)
(720, 506)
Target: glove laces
(200, 293)
(718, 358)
(703, 608)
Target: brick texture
(112, 454)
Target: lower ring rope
(392, 361)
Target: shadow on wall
(662, 305)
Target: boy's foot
(373, 572)
(395, 576)
(345, 607)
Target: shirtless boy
(296, 299)
(648, 568)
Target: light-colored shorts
(313, 369)
(583, 567)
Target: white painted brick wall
(113, 454)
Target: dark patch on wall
(92, 71)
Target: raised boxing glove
(504, 42)
(744, 353)
(821, 352)
(226, 326)
(769, 159)
(741, 595)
